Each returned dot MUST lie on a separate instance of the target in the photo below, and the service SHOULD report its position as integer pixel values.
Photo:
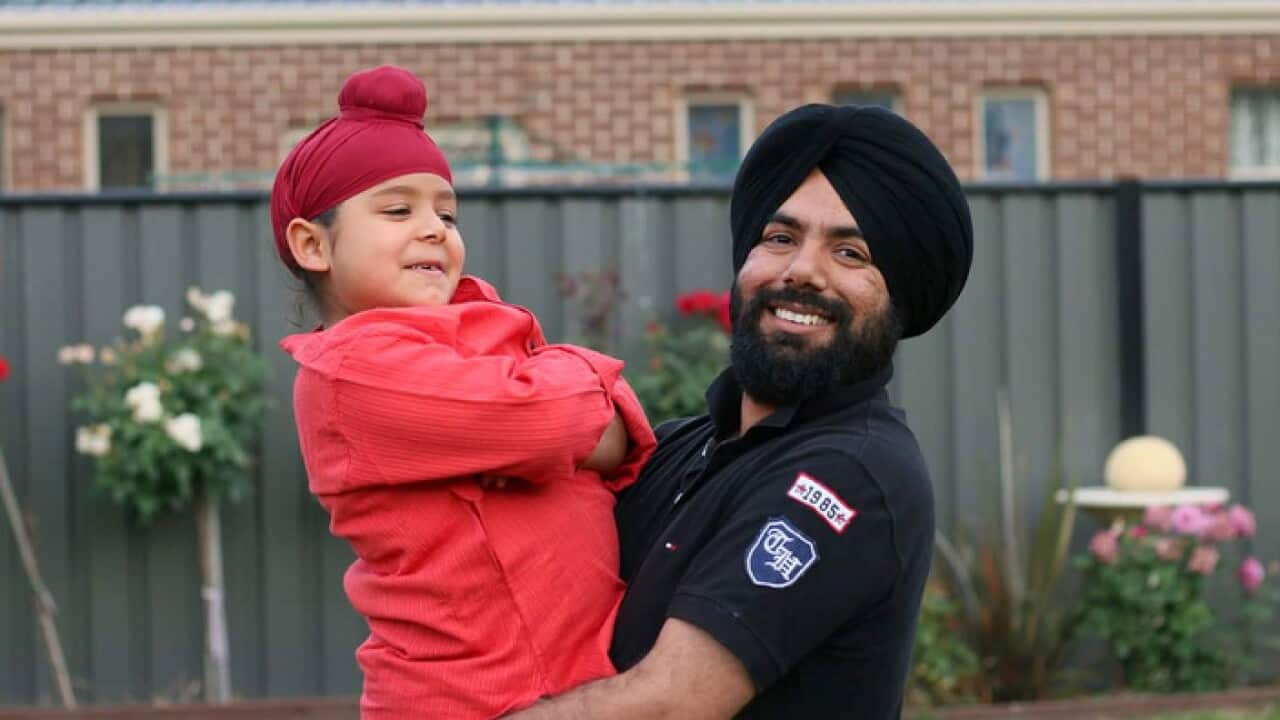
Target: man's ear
(309, 244)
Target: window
(1255, 132)
(887, 99)
(713, 136)
(124, 147)
(1013, 136)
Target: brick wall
(1143, 106)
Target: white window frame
(1040, 100)
(893, 92)
(6, 152)
(159, 138)
(746, 118)
(1254, 172)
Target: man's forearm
(687, 675)
(616, 697)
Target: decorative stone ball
(1145, 463)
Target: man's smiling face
(810, 307)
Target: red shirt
(478, 601)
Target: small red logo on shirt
(823, 500)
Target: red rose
(4, 369)
(722, 313)
(709, 302)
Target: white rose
(195, 298)
(81, 354)
(148, 411)
(185, 431)
(143, 392)
(226, 328)
(187, 324)
(184, 360)
(146, 319)
(94, 440)
(218, 306)
(85, 440)
(144, 400)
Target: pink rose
(1104, 546)
(1203, 560)
(1158, 518)
(1136, 532)
(1220, 529)
(1243, 520)
(1251, 573)
(1169, 548)
(1190, 520)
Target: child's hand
(611, 449)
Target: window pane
(1255, 128)
(714, 133)
(1009, 136)
(124, 151)
(876, 98)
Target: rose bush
(1142, 594)
(685, 357)
(166, 417)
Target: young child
(479, 600)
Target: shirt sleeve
(802, 549)
(640, 435)
(412, 410)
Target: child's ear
(308, 243)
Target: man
(776, 549)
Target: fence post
(1130, 307)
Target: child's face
(396, 245)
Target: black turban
(898, 186)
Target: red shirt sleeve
(412, 409)
(628, 407)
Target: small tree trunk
(217, 656)
(45, 607)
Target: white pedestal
(1108, 504)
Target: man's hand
(611, 449)
(687, 675)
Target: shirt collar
(724, 402)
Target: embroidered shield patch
(780, 555)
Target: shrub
(1143, 596)
(686, 357)
(168, 418)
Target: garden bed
(1109, 707)
(346, 708)
(1103, 707)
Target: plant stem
(1008, 504)
(217, 656)
(46, 609)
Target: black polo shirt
(802, 546)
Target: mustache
(840, 313)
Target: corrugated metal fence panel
(131, 615)
(1212, 288)
(1037, 317)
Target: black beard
(781, 369)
